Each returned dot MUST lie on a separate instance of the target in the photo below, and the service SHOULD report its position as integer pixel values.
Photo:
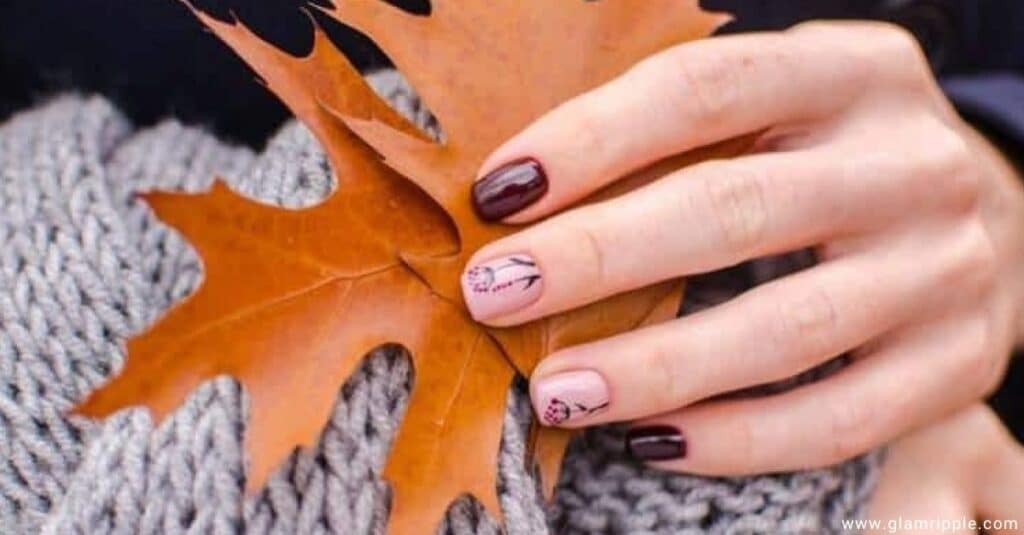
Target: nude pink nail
(570, 396)
(501, 286)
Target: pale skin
(936, 475)
(917, 219)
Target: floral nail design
(491, 279)
(559, 411)
(501, 286)
(569, 396)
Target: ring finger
(772, 332)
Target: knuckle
(749, 438)
(595, 260)
(990, 378)
(806, 320)
(830, 34)
(588, 126)
(978, 365)
(711, 82)
(852, 429)
(977, 374)
(901, 53)
(736, 196)
(961, 189)
(946, 166)
(868, 50)
(812, 26)
(984, 256)
(978, 336)
(955, 152)
(975, 267)
(991, 382)
(897, 42)
(670, 391)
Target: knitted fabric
(84, 265)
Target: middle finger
(696, 220)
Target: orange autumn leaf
(294, 299)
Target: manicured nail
(509, 189)
(570, 396)
(656, 443)
(501, 286)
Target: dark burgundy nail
(657, 443)
(509, 189)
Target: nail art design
(569, 396)
(501, 286)
(559, 411)
(490, 279)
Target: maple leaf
(293, 300)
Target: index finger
(685, 97)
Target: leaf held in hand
(293, 300)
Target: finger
(688, 96)
(771, 333)
(696, 220)
(914, 379)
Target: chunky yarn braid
(84, 265)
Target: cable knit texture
(84, 265)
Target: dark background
(155, 60)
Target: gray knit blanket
(84, 265)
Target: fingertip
(657, 444)
(509, 189)
(570, 398)
(496, 288)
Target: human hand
(917, 220)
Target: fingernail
(509, 189)
(656, 443)
(570, 396)
(501, 286)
